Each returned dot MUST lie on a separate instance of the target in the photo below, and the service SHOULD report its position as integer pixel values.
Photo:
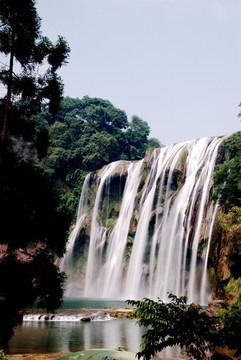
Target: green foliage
(27, 277)
(102, 115)
(101, 149)
(137, 137)
(231, 146)
(33, 222)
(225, 250)
(183, 161)
(227, 190)
(22, 41)
(154, 143)
(21, 23)
(174, 324)
(110, 222)
(227, 177)
(25, 190)
(233, 289)
(82, 137)
(230, 329)
(30, 215)
(85, 135)
(3, 356)
(187, 326)
(139, 125)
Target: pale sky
(174, 63)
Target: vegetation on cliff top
(227, 177)
(225, 252)
(85, 135)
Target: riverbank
(54, 356)
(36, 356)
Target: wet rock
(196, 305)
(86, 319)
(214, 305)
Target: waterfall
(111, 274)
(136, 261)
(151, 225)
(98, 233)
(182, 222)
(67, 261)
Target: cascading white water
(204, 290)
(166, 206)
(67, 261)
(111, 275)
(201, 193)
(98, 232)
(136, 261)
(189, 207)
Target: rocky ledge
(78, 314)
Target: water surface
(40, 337)
(78, 303)
(49, 337)
(70, 336)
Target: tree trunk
(9, 93)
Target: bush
(187, 326)
(3, 356)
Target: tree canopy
(227, 177)
(26, 48)
(85, 135)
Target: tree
(154, 143)
(29, 202)
(27, 277)
(137, 135)
(188, 326)
(102, 115)
(173, 324)
(33, 231)
(101, 149)
(85, 135)
(33, 224)
(23, 43)
(227, 176)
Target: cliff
(145, 227)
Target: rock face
(144, 227)
(225, 254)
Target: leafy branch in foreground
(187, 326)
